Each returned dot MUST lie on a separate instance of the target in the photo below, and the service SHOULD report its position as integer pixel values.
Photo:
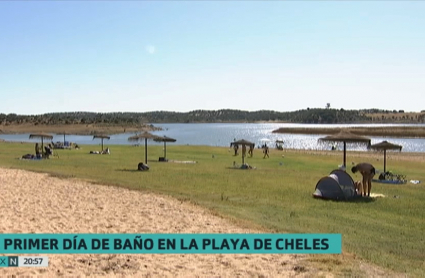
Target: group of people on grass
(105, 151)
(40, 153)
(367, 170)
(250, 151)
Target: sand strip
(73, 206)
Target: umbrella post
(102, 144)
(345, 154)
(165, 150)
(385, 160)
(64, 139)
(146, 150)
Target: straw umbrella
(279, 144)
(42, 136)
(346, 136)
(385, 145)
(265, 141)
(243, 143)
(165, 139)
(145, 135)
(102, 137)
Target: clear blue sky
(138, 56)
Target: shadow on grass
(160, 161)
(362, 200)
(129, 170)
(354, 200)
(239, 168)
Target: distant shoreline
(75, 129)
(92, 129)
(397, 131)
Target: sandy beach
(74, 206)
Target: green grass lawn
(388, 231)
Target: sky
(140, 56)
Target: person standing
(251, 150)
(266, 151)
(37, 151)
(236, 147)
(368, 171)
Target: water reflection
(220, 134)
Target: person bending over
(368, 171)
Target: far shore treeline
(309, 115)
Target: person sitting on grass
(368, 171)
(358, 185)
(48, 150)
(246, 166)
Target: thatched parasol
(102, 136)
(42, 136)
(346, 136)
(165, 139)
(264, 141)
(242, 142)
(145, 135)
(279, 144)
(385, 145)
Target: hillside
(133, 119)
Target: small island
(396, 131)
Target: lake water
(221, 134)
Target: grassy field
(388, 232)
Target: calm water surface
(218, 134)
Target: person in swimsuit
(368, 171)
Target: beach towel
(30, 157)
